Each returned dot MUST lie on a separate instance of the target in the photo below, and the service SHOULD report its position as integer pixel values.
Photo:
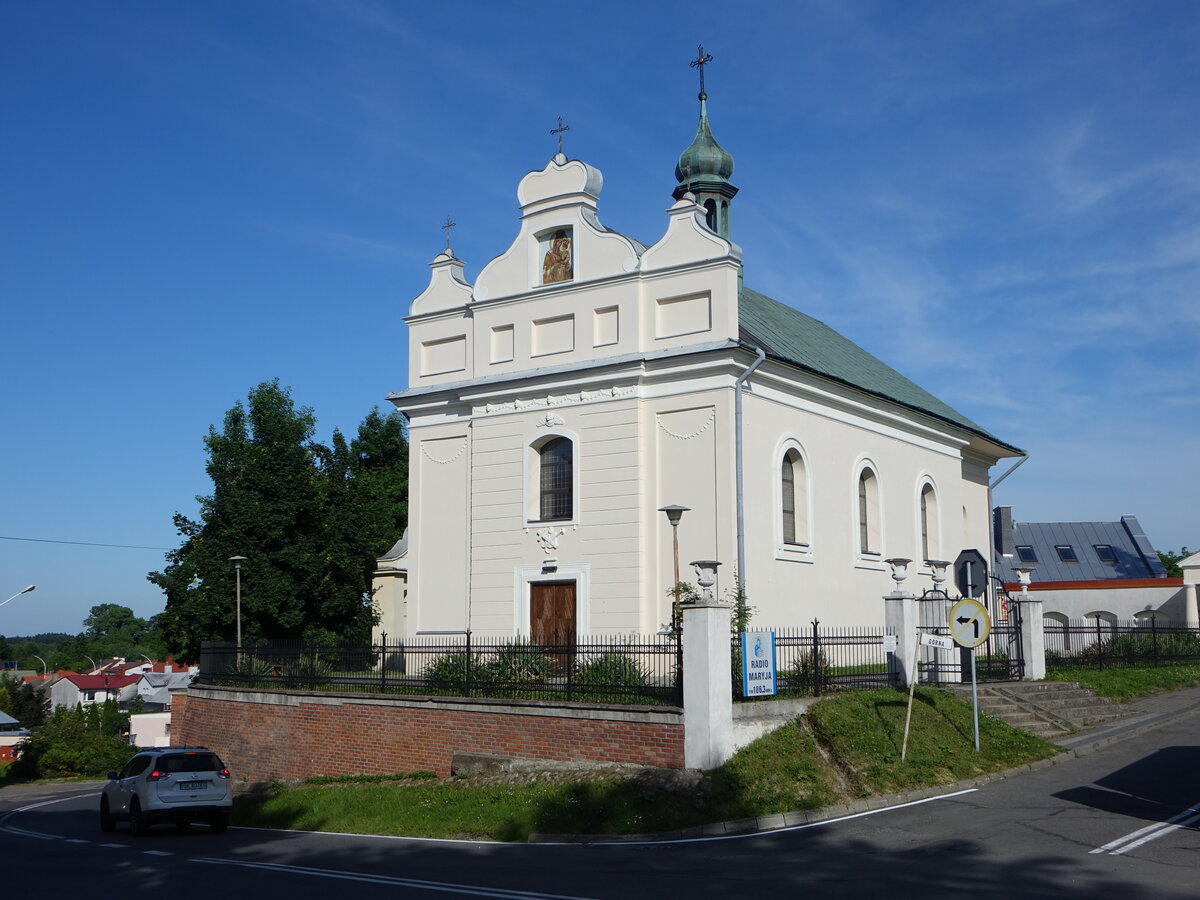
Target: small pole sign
(941, 641)
(758, 663)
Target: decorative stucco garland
(443, 462)
(712, 415)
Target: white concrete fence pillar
(900, 618)
(707, 685)
(1033, 636)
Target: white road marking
(157, 853)
(76, 841)
(116, 846)
(1134, 839)
(439, 886)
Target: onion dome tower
(705, 166)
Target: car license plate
(193, 785)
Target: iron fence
(604, 669)
(815, 660)
(1000, 658)
(1097, 643)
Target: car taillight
(224, 773)
(156, 776)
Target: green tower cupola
(705, 166)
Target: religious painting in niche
(557, 264)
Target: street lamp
(19, 593)
(42, 661)
(674, 514)
(93, 662)
(237, 568)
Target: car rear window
(191, 762)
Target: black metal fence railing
(1098, 643)
(1000, 658)
(816, 660)
(605, 669)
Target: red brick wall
(268, 736)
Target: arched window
(929, 522)
(868, 513)
(555, 480)
(793, 483)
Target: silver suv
(169, 784)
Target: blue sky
(1002, 200)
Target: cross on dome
(702, 59)
(559, 131)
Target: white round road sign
(969, 623)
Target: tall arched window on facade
(555, 480)
(793, 482)
(929, 523)
(868, 513)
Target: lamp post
(237, 568)
(42, 661)
(674, 514)
(19, 593)
(93, 662)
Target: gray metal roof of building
(789, 335)
(1135, 556)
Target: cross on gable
(446, 228)
(702, 59)
(559, 131)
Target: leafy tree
(1172, 560)
(309, 519)
(76, 742)
(23, 702)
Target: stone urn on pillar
(706, 577)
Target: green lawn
(1128, 683)
(848, 746)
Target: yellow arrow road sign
(969, 623)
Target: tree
(24, 704)
(309, 519)
(1172, 560)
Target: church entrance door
(552, 612)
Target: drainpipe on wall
(738, 458)
(991, 584)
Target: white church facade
(585, 380)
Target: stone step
(1047, 709)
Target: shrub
(449, 671)
(611, 670)
(252, 670)
(811, 671)
(309, 670)
(75, 742)
(518, 662)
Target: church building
(586, 380)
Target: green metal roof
(789, 335)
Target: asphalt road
(1122, 822)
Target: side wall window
(793, 483)
(929, 523)
(868, 513)
(556, 480)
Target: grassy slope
(848, 746)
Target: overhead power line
(82, 543)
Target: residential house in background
(11, 734)
(1104, 570)
(85, 690)
(151, 726)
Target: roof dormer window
(1066, 553)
